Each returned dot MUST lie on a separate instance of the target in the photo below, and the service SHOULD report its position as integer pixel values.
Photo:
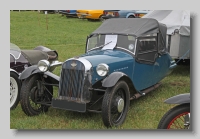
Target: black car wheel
(15, 86)
(175, 118)
(31, 98)
(115, 104)
(131, 16)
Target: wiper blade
(103, 45)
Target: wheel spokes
(178, 122)
(115, 113)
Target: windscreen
(99, 41)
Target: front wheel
(15, 87)
(115, 104)
(176, 118)
(35, 96)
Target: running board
(145, 91)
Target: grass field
(29, 29)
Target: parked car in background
(123, 13)
(49, 11)
(141, 13)
(68, 13)
(90, 14)
(125, 58)
(21, 59)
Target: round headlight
(43, 65)
(102, 69)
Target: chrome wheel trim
(120, 105)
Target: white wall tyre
(15, 86)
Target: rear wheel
(115, 104)
(35, 96)
(15, 86)
(175, 118)
(131, 16)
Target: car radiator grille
(73, 82)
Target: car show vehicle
(68, 13)
(178, 117)
(19, 61)
(107, 14)
(125, 58)
(90, 14)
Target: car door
(148, 64)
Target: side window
(92, 42)
(147, 45)
(127, 42)
(147, 49)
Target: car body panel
(68, 13)
(89, 14)
(113, 59)
(123, 13)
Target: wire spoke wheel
(177, 117)
(35, 96)
(14, 90)
(115, 104)
(178, 122)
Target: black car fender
(179, 99)
(28, 72)
(34, 70)
(112, 79)
(12, 70)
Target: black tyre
(31, 99)
(131, 16)
(15, 86)
(175, 118)
(101, 18)
(115, 104)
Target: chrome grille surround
(75, 80)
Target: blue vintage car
(125, 58)
(68, 13)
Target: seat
(34, 56)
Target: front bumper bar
(69, 105)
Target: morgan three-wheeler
(125, 58)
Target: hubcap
(120, 105)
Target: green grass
(28, 29)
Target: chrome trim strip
(14, 71)
(86, 63)
(15, 57)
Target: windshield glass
(111, 41)
(15, 51)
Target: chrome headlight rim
(43, 65)
(102, 69)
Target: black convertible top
(133, 26)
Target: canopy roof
(130, 26)
(173, 19)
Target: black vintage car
(19, 61)
(125, 58)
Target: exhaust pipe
(145, 91)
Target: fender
(12, 70)
(130, 14)
(112, 79)
(33, 70)
(179, 99)
(29, 71)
